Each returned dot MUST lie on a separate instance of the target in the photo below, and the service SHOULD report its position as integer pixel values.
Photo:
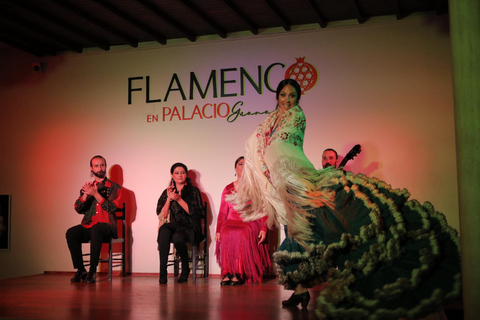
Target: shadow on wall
(194, 176)
(127, 196)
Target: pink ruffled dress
(238, 250)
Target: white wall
(386, 86)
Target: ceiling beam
(41, 13)
(204, 17)
(318, 13)
(237, 12)
(441, 6)
(162, 15)
(361, 18)
(87, 16)
(21, 46)
(26, 41)
(34, 28)
(278, 15)
(130, 19)
(398, 10)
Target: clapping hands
(172, 195)
(90, 188)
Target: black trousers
(97, 234)
(178, 235)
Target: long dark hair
(187, 189)
(176, 165)
(238, 160)
(291, 82)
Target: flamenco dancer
(379, 254)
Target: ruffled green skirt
(379, 255)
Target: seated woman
(179, 210)
(241, 252)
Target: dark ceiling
(50, 27)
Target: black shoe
(226, 280)
(239, 281)
(91, 278)
(295, 299)
(163, 276)
(184, 275)
(79, 276)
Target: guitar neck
(350, 155)
(343, 163)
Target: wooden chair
(115, 259)
(198, 257)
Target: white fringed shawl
(278, 180)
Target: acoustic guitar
(350, 155)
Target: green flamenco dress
(378, 254)
(396, 259)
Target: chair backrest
(122, 216)
(205, 221)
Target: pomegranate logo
(304, 73)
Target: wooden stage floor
(51, 296)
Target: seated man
(329, 158)
(99, 223)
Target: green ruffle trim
(403, 261)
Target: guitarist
(329, 158)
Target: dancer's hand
(262, 235)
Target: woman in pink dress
(241, 250)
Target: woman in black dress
(179, 210)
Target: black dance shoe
(239, 281)
(226, 280)
(163, 276)
(183, 278)
(79, 276)
(91, 278)
(184, 275)
(295, 299)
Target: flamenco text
(221, 83)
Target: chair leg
(124, 258)
(122, 265)
(194, 262)
(205, 260)
(206, 264)
(110, 262)
(175, 267)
